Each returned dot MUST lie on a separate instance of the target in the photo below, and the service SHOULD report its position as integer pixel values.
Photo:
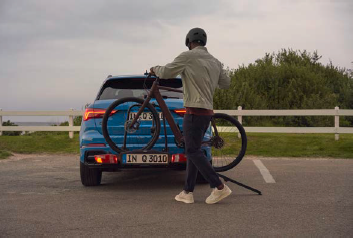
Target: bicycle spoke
(228, 145)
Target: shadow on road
(151, 179)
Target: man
(201, 73)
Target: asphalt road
(42, 196)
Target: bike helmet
(196, 34)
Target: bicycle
(226, 137)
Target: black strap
(240, 184)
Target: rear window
(121, 88)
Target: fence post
(0, 123)
(337, 122)
(71, 123)
(240, 119)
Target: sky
(54, 55)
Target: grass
(300, 145)
(4, 154)
(260, 144)
(40, 143)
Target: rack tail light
(178, 158)
(106, 158)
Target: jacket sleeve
(224, 80)
(172, 69)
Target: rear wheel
(121, 135)
(90, 176)
(228, 142)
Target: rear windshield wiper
(165, 97)
(169, 97)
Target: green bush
(288, 80)
(10, 133)
(77, 120)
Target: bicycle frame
(154, 93)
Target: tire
(227, 149)
(90, 176)
(130, 137)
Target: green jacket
(200, 72)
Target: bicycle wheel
(117, 121)
(228, 142)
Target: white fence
(336, 129)
(70, 113)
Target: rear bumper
(93, 137)
(173, 161)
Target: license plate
(144, 115)
(145, 158)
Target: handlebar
(156, 84)
(149, 76)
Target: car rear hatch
(116, 121)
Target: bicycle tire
(227, 149)
(119, 103)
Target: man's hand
(152, 72)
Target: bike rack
(239, 184)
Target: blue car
(95, 154)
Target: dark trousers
(194, 128)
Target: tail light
(91, 113)
(106, 158)
(178, 158)
(180, 112)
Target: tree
(288, 79)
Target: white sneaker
(185, 197)
(218, 195)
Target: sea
(36, 123)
